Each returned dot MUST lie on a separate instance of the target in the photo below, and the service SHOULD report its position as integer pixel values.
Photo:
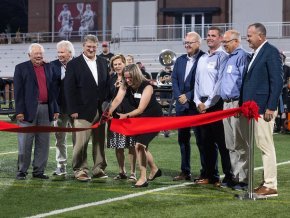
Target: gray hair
(90, 37)
(195, 35)
(67, 45)
(31, 46)
(235, 35)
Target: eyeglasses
(226, 42)
(188, 43)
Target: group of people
(75, 92)
(80, 91)
(225, 77)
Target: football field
(111, 198)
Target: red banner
(135, 126)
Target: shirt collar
(193, 57)
(87, 59)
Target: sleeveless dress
(153, 109)
(116, 140)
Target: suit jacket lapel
(31, 69)
(258, 57)
(86, 68)
(183, 66)
(192, 70)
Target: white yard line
(55, 212)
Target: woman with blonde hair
(139, 94)
(115, 140)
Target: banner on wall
(79, 18)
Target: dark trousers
(213, 139)
(184, 136)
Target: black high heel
(157, 174)
(145, 184)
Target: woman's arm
(117, 100)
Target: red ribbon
(135, 126)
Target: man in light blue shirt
(207, 99)
(231, 83)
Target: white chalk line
(55, 212)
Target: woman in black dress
(139, 93)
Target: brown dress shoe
(182, 176)
(267, 192)
(202, 181)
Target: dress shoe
(145, 184)
(217, 184)
(202, 181)
(241, 186)
(182, 176)
(260, 186)
(21, 176)
(40, 176)
(157, 174)
(267, 192)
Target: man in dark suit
(263, 83)
(65, 52)
(86, 87)
(35, 104)
(183, 77)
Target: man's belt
(230, 100)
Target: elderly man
(86, 87)
(231, 83)
(35, 106)
(262, 83)
(65, 52)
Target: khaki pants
(81, 144)
(263, 133)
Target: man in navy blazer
(86, 86)
(263, 83)
(183, 79)
(65, 52)
(35, 104)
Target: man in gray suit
(263, 83)
(35, 105)
(65, 52)
(86, 86)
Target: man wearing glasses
(231, 83)
(183, 77)
(207, 99)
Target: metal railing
(144, 33)
(177, 32)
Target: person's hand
(237, 115)
(74, 115)
(123, 116)
(55, 116)
(182, 99)
(20, 117)
(268, 116)
(201, 108)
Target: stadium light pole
(52, 20)
(104, 19)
